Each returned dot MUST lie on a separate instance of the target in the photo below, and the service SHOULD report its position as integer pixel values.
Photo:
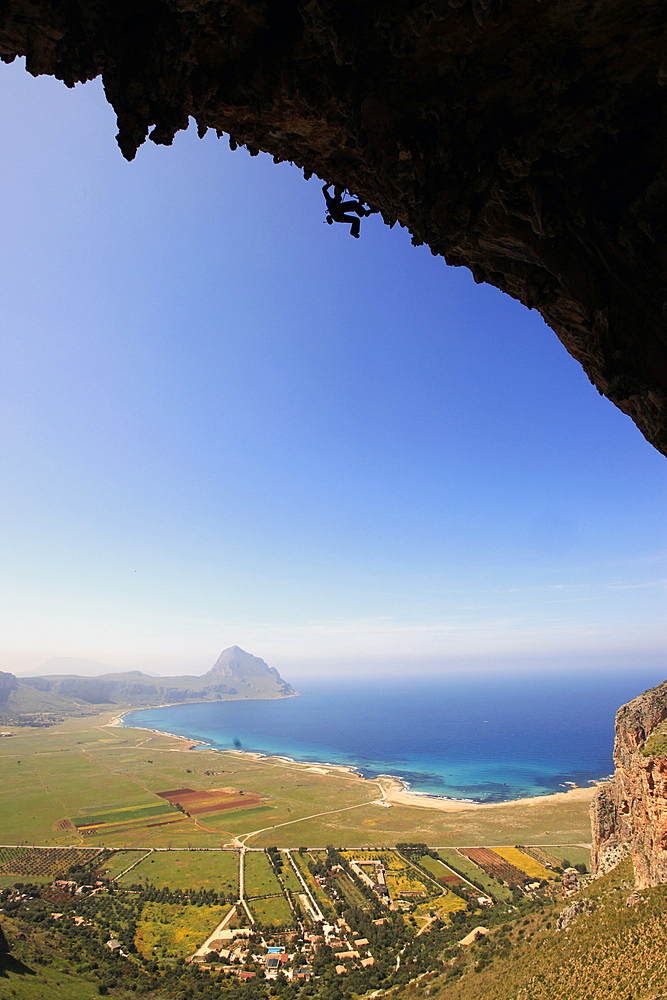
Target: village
(290, 915)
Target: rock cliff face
(629, 813)
(525, 141)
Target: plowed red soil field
(214, 800)
(495, 866)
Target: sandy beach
(191, 744)
(395, 792)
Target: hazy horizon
(224, 422)
(295, 670)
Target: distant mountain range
(68, 665)
(235, 674)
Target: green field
(290, 881)
(216, 870)
(126, 814)
(272, 911)
(436, 868)
(119, 861)
(260, 879)
(7, 881)
(573, 853)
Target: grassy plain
(216, 870)
(83, 767)
(260, 879)
(289, 879)
(120, 862)
(272, 911)
(574, 853)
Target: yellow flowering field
(524, 863)
(174, 930)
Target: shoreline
(396, 793)
(394, 789)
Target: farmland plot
(46, 862)
(468, 869)
(215, 800)
(216, 870)
(272, 911)
(495, 865)
(444, 875)
(316, 889)
(539, 854)
(122, 817)
(172, 930)
(525, 863)
(260, 879)
(350, 892)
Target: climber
(336, 209)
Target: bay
(487, 737)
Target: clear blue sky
(226, 422)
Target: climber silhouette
(337, 208)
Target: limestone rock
(629, 813)
(566, 916)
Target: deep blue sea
(485, 737)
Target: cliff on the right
(629, 812)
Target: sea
(482, 737)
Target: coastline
(393, 789)
(396, 793)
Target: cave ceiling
(525, 140)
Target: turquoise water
(488, 738)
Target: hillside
(19, 701)
(235, 674)
(612, 947)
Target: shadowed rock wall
(524, 140)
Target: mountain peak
(234, 659)
(236, 664)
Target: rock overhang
(525, 141)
